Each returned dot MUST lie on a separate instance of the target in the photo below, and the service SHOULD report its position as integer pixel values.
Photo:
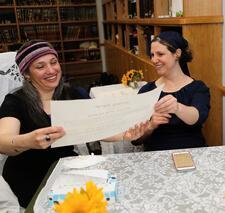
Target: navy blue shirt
(177, 134)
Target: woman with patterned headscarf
(25, 126)
(26, 133)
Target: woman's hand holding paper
(157, 119)
(136, 132)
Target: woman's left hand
(167, 104)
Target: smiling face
(45, 73)
(163, 60)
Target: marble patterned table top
(149, 183)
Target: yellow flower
(89, 201)
(124, 80)
(141, 74)
(130, 74)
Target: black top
(25, 171)
(176, 134)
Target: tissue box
(109, 189)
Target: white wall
(101, 32)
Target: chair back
(10, 77)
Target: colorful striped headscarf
(30, 53)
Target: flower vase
(133, 84)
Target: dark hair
(173, 41)
(32, 97)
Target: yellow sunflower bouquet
(90, 200)
(132, 77)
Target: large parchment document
(95, 119)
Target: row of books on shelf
(132, 11)
(129, 37)
(8, 35)
(146, 8)
(76, 1)
(175, 9)
(6, 2)
(44, 2)
(86, 55)
(44, 14)
(132, 43)
(46, 32)
(7, 17)
(81, 13)
(56, 45)
(80, 47)
(91, 44)
(37, 15)
(80, 31)
(35, 2)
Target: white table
(111, 90)
(115, 90)
(149, 183)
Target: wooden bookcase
(70, 25)
(129, 26)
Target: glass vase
(133, 84)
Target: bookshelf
(70, 25)
(129, 26)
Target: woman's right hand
(43, 138)
(159, 118)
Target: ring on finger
(47, 137)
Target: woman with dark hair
(25, 125)
(26, 133)
(184, 103)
